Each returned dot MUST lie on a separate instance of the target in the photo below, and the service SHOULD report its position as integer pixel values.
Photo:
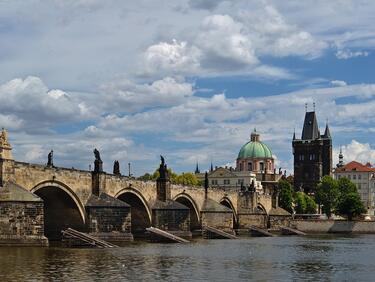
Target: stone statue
(116, 168)
(98, 164)
(50, 158)
(163, 168)
(97, 155)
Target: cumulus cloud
(126, 95)
(357, 151)
(178, 56)
(234, 42)
(29, 102)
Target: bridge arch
(141, 216)
(225, 201)
(62, 208)
(188, 201)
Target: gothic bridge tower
(312, 155)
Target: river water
(310, 258)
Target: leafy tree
(300, 203)
(349, 202)
(187, 179)
(310, 205)
(327, 194)
(285, 195)
(184, 178)
(351, 205)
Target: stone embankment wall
(334, 226)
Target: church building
(312, 155)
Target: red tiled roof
(356, 166)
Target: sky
(186, 79)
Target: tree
(351, 205)
(310, 205)
(300, 203)
(285, 195)
(349, 202)
(187, 179)
(327, 194)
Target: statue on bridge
(98, 164)
(163, 171)
(50, 159)
(116, 168)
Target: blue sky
(189, 79)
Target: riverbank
(334, 226)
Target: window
(226, 181)
(250, 166)
(301, 157)
(339, 176)
(214, 181)
(354, 176)
(261, 166)
(359, 186)
(240, 166)
(349, 177)
(312, 157)
(359, 176)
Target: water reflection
(316, 258)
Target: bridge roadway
(67, 190)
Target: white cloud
(347, 54)
(356, 151)
(163, 57)
(338, 83)
(29, 102)
(125, 95)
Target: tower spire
(327, 133)
(294, 134)
(197, 169)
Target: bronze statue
(98, 164)
(50, 158)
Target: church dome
(255, 149)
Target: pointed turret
(294, 134)
(310, 127)
(212, 167)
(197, 169)
(327, 133)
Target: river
(309, 258)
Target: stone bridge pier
(41, 200)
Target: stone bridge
(66, 192)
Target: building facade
(363, 176)
(312, 155)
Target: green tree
(327, 194)
(349, 202)
(310, 205)
(345, 186)
(351, 205)
(285, 195)
(187, 179)
(300, 203)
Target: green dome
(254, 149)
